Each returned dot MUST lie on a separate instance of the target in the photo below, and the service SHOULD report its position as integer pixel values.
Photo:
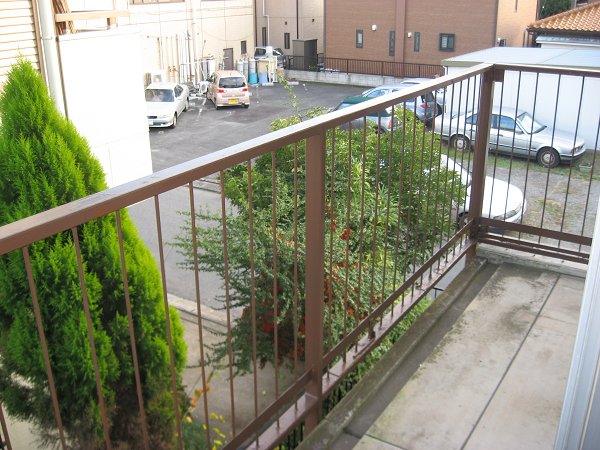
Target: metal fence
(361, 66)
(324, 235)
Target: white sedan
(501, 200)
(165, 102)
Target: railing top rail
(48, 223)
(550, 70)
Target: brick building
(423, 31)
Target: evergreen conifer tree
(44, 163)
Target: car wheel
(247, 106)
(187, 104)
(174, 124)
(460, 143)
(548, 157)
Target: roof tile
(583, 19)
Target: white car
(165, 102)
(501, 201)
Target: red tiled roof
(585, 19)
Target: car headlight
(163, 116)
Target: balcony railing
(346, 230)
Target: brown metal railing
(370, 229)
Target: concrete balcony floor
(485, 367)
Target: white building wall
(104, 96)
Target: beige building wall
(513, 18)
(302, 19)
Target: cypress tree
(44, 163)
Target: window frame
(360, 43)
(417, 41)
(286, 41)
(392, 43)
(450, 38)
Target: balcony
(342, 233)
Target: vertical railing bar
(7, 437)
(412, 167)
(134, 354)
(512, 150)
(315, 262)
(535, 93)
(199, 309)
(429, 190)
(331, 236)
(227, 298)
(400, 194)
(90, 330)
(389, 201)
(551, 145)
(253, 290)
(587, 201)
(460, 96)
(44, 344)
(296, 324)
(462, 158)
(451, 223)
(275, 297)
(372, 298)
(347, 232)
(358, 308)
(419, 227)
(168, 321)
(562, 222)
(497, 139)
(442, 228)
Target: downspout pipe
(268, 27)
(50, 54)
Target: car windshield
(529, 124)
(159, 95)
(232, 82)
(384, 113)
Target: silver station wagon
(513, 132)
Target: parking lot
(203, 129)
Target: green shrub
(369, 251)
(44, 163)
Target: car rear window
(159, 95)
(232, 82)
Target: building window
(264, 35)
(447, 42)
(286, 40)
(392, 43)
(244, 47)
(417, 42)
(359, 38)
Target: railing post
(314, 269)
(482, 138)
